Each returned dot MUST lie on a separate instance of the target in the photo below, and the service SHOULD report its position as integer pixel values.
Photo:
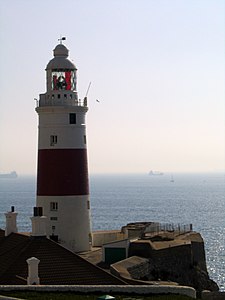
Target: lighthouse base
(68, 220)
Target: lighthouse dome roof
(61, 50)
(60, 60)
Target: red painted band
(62, 172)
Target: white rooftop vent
(33, 278)
(11, 225)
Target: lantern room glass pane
(64, 80)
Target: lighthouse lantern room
(62, 172)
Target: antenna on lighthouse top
(85, 98)
(62, 38)
(88, 89)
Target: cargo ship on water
(155, 173)
(10, 175)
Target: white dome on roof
(60, 60)
(61, 50)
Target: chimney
(33, 278)
(38, 222)
(11, 225)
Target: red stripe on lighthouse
(62, 172)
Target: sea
(118, 199)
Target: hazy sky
(157, 67)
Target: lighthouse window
(72, 118)
(63, 80)
(53, 140)
(53, 205)
(85, 140)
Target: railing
(168, 227)
(60, 101)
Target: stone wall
(171, 263)
(140, 249)
(207, 295)
(139, 271)
(198, 251)
(181, 262)
(107, 289)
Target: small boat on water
(10, 175)
(155, 173)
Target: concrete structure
(115, 251)
(170, 255)
(130, 231)
(99, 238)
(132, 269)
(33, 278)
(11, 225)
(129, 290)
(62, 175)
(207, 295)
(38, 223)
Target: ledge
(123, 289)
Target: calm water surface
(119, 199)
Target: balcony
(60, 100)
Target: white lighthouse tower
(62, 174)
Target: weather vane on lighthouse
(62, 38)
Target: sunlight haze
(156, 67)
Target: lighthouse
(62, 168)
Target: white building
(62, 175)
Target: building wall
(70, 221)
(198, 251)
(115, 251)
(140, 249)
(170, 263)
(104, 237)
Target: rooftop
(57, 264)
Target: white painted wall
(55, 121)
(73, 220)
(103, 237)
(38, 226)
(11, 225)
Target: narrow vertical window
(53, 230)
(53, 140)
(73, 118)
(53, 205)
(85, 140)
(88, 204)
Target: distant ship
(12, 174)
(155, 173)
